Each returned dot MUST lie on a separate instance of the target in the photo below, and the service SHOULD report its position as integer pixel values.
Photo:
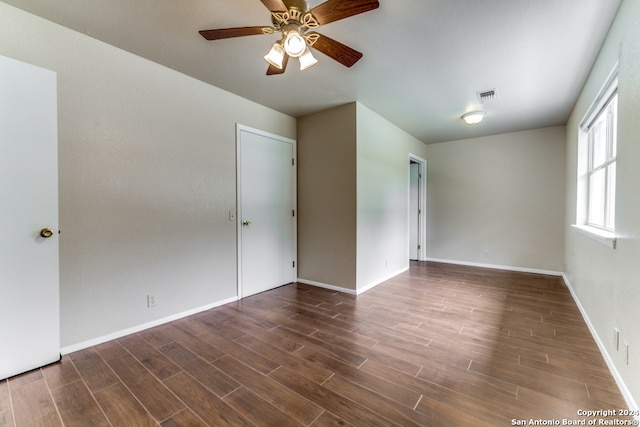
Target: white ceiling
(424, 60)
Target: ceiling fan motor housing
(296, 10)
(300, 5)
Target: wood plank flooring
(439, 345)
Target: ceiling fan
(296, 22)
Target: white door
(414, 209)
(266, 211)
(29, 278)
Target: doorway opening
(417, 207)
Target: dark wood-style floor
(440, 345)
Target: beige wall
(146, 179)
(327, 197)
(498, 200)
(605, 280)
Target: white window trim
(608, 89)
(605, 237)
(606, 92)
(607, 163)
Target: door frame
(422, 204)
(238, 217)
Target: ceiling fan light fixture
(295, 22)
(294, 44)
(473, 118)
(276, 55)
(307, 60)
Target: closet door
(29, 270)
(266, 188)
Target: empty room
(319, 213)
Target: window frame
(601, 104)
(609, 110)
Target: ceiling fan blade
(275, 70)
(334, 10)
(336, 50)
(227, 33)
(274, 5)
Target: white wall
(605, 280)
(383, 197)
(147, 179)
(498, 200)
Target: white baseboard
(498, 267)
(142, 327)
(327, 286)
(381, 280)
(352, 291)
(607, 357)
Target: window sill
(605, 237)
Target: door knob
(246, 223)
(46, 233)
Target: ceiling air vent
(487, 96)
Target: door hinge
(293, 162)
(419, 211)
(293, 212)
(294, 264)
(418, 247)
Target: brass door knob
(46, 233)
(246, 223)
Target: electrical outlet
(485, 253)
(616, 337)
(151, 301)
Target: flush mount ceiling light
(297, 22)
(473, 118)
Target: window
(601, 172)
(597, 154)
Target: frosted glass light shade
(295, 44)
(307, 60)
(473, 118)
(276, 55)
